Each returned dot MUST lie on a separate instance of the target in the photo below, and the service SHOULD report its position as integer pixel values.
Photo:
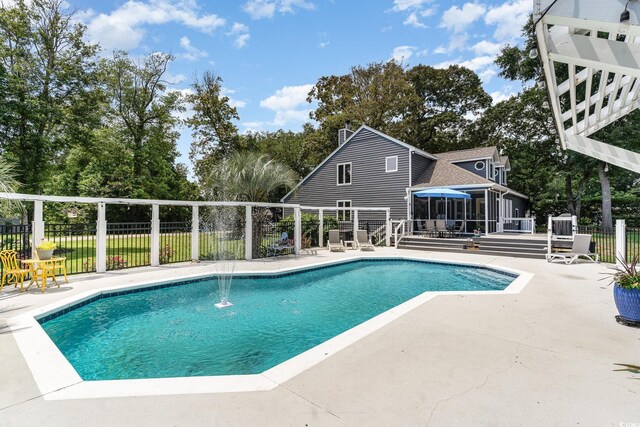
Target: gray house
(372, 169)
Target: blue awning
(443, 193)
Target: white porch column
(321, 228)
(574, 225)
(621, 241)
(195, 234)
(297, 215)
(356, 225)
(408, 204)
(155, 235)
(501, 214)
(248, 233)
(486, 212)
(37, 227)
(389, 231)
(549, 233)
(101, 239)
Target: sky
(270, 53)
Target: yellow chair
(11, 270)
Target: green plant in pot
(45, 249)
(626, 290)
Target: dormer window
(479, 165)
(344, 173)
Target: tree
(8, 184)
(378, 95)
(47, 66)
(213, 131)
(447, 96)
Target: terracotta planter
(44, 254)
(628, 303)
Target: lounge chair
(334, 243)
(281, 245)
(364, 243)
(580, 248)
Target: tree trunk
(569, 191)
(605, 185)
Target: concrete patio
(545, 356)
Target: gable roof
(360, 129)
(470, 154)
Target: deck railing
(519, 225)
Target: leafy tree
(378, 95)
(8, 184)
(47, 66)
(213, 131)
(447, 96)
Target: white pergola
(591, 63)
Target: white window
(391, 164)
(344, 214)
(344, 173)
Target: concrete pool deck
(545, 356)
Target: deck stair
(528, 247)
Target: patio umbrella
(446, 193)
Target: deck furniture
(11, 270)
(441, 228)
(282, 245)
(335, 244)
(579, 248)
(364, 242)
(44, 269)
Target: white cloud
(456, 42)
(225, 91)
(485, 47)
(402, 53)
(499, 96)
(191, 52)
(286, 104)
(487, 75)
(123, 28)
(402, 5)
(413, 20)
(287, 98)
(241, 35)
(509, 18)
(457, 19)
(261, 9)
(482, 65)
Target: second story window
(391, 164)
(344, 173)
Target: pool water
(178, 332)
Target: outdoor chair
(580, 248)
(457, 231)
(363, 241)
(282, 245)
(11, 270)
(430, 227)
(334, 243)
(441, 228)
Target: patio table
(43, 269)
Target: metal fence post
(621, 241)
(320, 228)
(549, 233)
(298, 229)
(38, 224)
(101, 239)
(155, 235)
(195, 234)
(248, 233)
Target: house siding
(418, 165)
(370, 185)
(518, 203)
(470, 166)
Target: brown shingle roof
(441, 173)
(473, 153)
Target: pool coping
(57, 379)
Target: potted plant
(626, 290)
(45, 249)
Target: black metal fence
(215, 244)
(128, 245)
(76, 242)
(175, 241)
(604, 242)
(16, 238)
(376, 230)
(270, 239)
(633, 243)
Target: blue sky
(270, 52)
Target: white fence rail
(519, 225)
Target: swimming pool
(174, 330)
